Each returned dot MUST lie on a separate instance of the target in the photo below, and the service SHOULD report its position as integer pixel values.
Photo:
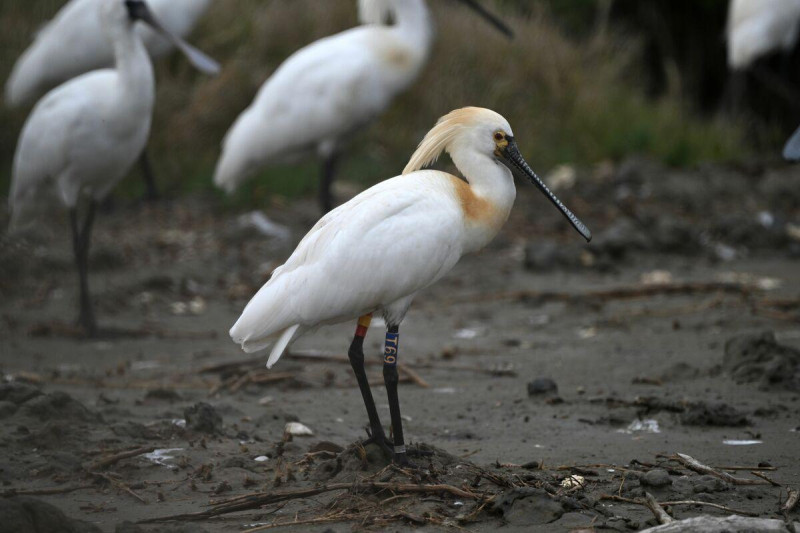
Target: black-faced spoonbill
(84, 136)
(375, 252)
(333, 87)
(74, 43)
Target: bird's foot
(401, 460)
(379, 438)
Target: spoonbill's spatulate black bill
(517, 163)
(491, 18)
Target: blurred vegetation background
(584, 82)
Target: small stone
(542, 386)
(656, 478)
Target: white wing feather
(344, 267)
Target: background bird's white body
(74, 43)
(758, 27)
(378, 250)
(84, 136)
(330, 88)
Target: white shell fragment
(261, 458)
(734, 442)
(574, 481)
(296, 429)
(648, 425)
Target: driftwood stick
(112, 459)
(791, 501)
(693, 464)
(658, 511)
(765, 478)
(416, 378)
(714, 505)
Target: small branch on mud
(616, 293)
(791, 501)
(659, 512)
(693, 464)
(648, 501)
(10, 493)
(112, 459)
(748, 468)
(714, 505)
(256, 500)
(416, 378)
(118, 484)
(765, 478)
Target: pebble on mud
(759, 358)
(540, 386)
(203, 417)
(656, 478)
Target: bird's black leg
(391, 378)
(326, 181)
(356, 355)
(80, 242)
(150, 188)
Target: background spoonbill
(332, 87)
(83, 136)
(375, 252)
(74, 43)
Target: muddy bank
(543, 375)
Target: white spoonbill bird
(332, 87)
(84, 136)
(758, 27)
(74, 43)
(378, 250)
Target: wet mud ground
(539, 359)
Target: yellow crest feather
(438, 139)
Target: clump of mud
(758, 358)
(28, 515)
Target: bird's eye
(498, 136)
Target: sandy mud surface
(548, 385)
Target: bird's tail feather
(281, 344)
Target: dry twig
(693, 464)
(791, 501)
(112, 459)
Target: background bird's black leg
(356, 355)
(391, 378)
(150, 188)
(81, 235)
(326, 181)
